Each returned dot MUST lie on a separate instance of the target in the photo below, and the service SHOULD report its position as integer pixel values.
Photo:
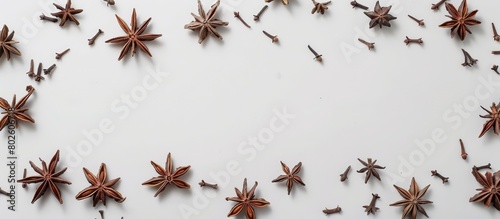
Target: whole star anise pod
(47, 179)
(412, 200)
(246, 200)
(460, 19)
(494, 119)
(370, 169)
(134, 37)
(100, 189)
(168, 176)
(16, 110)
(206, 23)
(320, 7)
(380, 16)
(66, 13)
(7, 43)
(290, 177)
(490, 193)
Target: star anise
(47, 179)
(100, 189)
(134, 37)
(206, 23)
(412, 200)
(168, 176)
(494, 119)
(7, 43)
(285, 2)
(16, 110)
(320, 7)
(490, 193)
(460, 19)
(370, 169)
(380, 16)
(246, 200)
(66, 13)
(290, 177)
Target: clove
(237, 15)
(38, 76)
(419, 21)
(368, 44)
(437, 5)
(487, 166)
(409, 40)
(343, 176)
(355, 4)
(92, 40)
(49, 70)
(317, 56)
(257, 17)
(24, 185)
(203, 183)
(31, 72)
(46, 18)
(495, 69)
(371, 208)
(496, 37)
(3, 192)
(273, 38)
(333, 210)
(435, 173)
(60, 55)
(462, 149)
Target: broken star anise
(460, 19)
(290, 177)
(285, 2)
(206, 23)
(246, 200)
(168, 176)
(490, 193)
(7, 43)
(66, 13)
(100, 189)
(494, 119)
(380, 16)
(47, 179)
(16, 110)
(370, 169)
(320, 7)
(412, 201)
(134, 37)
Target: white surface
(218, 94)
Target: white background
(213, 97)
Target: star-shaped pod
(7, 43)
(460, 19)
(135, 36)
(66, 13)
(15, 111)
(168, 176)
(206, 23)
(380, 16)
(290, 177)
(412, 201)
(490, 193)
(246, 201)
(47, 179)
(100, 189)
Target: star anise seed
(7, 43)
(246, 200)
(135, 37)
(47, 179)
(412, 201)
(380, 16)
(15, 110)
(66, 13)
(168, 176)
(290, 177)
(370, 169)
(494, 119)
(206, 23)
(100, 188)
(460, 19)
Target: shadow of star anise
(47, 179)
(16, 110)
(290, 177)
(168, 176)
(370, 169)
(7, 44)
(134, 37)
(206, 23)
(100, 189)
(412, 200)
(494, 119)
(380, 16)
(246, 200)
(490, 193)
(460, 19)
(66, 13)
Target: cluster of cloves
(38, 75)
